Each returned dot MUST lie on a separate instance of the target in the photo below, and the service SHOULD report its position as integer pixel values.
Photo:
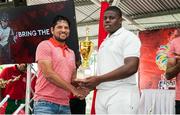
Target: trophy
(86, 48)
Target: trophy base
(83, 73)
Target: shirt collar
(117, 32)
(57, 44)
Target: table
(157, 101)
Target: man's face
(4, 24)
(112, 21)
(22, 67)
(61, 30)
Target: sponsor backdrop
(31, 25)
(152, 60)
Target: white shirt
(112, 52)
(4, 36)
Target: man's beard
(59, 39)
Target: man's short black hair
(4, 17)
(115, 9)
(59, 18)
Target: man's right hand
(80, 92)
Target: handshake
(84, 86)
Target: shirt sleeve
(132, 47)
(43, 51)
(3, 73)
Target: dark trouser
(77, 106)
(5, 56)
(13, 105)
(177, 106)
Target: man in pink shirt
(56, 70)
(173, 66)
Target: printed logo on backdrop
(33, 33)
(23, 28)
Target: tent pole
(28, 89)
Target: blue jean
(45, 107)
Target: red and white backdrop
(149, 72)
(31, 25)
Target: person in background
(173, 65)
(56, 71)
(6, 38)
(117, 63)
(13, 83)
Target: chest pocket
(57, 54)
(114, 46)
(70, 60)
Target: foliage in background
(1, 68)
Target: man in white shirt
(117, 63)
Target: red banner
(102, 33)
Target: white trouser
(123, 99)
